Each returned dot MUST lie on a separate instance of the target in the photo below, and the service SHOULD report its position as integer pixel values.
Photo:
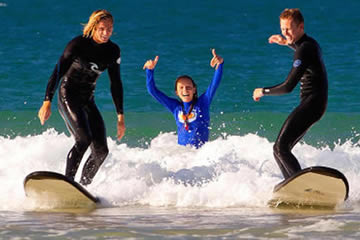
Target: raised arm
(169, 103)
(278, 39)
(217, 63)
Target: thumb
(213, 52)
(156, 59)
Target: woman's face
(103, 31)
(185, 89)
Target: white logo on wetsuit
(118, 61)
(297, 63)
(95, 68)
(192, 116)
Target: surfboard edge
(284, 198)
(320, 170)
(38, 175)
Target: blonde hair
(293, 14)
(94, 19)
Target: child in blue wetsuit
(191, 112)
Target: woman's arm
(216, 62)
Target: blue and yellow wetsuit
(199, 117)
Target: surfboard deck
(313, 187)
(56, 191)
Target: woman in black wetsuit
(309, 69)
(83, 60)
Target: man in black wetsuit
(83, 60)
(309, 69)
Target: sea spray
(232, 172)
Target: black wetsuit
(78, 69)
(309, 69)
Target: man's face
(291, 30)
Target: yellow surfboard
(56, 191)
(314, 187)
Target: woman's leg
(76, 120)
(99, 148)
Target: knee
(101, 153)
(276, 149)
(280, 150)
(83, 143)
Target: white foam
(236, 171)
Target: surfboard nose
(56, 191)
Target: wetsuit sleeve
(61, 68)
(301, 62)
(116, 85)
(292, 46)
(169, 103)
(210, 92)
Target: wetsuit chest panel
(314, 77)
(89, 60)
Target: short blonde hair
(293, 14)
(94, 19)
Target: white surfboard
(314, 187)
(56, 191)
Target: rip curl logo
(297, 63)
(118, 61)
(95, 68)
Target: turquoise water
(182, 35)
(133, 180)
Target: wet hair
(292, 13)
(94, 20)
(192, 81)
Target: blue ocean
(231, 177)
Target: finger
(213, 52)
(272, 39)
(47, 116)
(121, 134)
(120, 130)
(42, 120)
(146, 64)
(156, 59)
(213, 61)
(255, 97)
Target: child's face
(185, 90)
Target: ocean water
(150, 187)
